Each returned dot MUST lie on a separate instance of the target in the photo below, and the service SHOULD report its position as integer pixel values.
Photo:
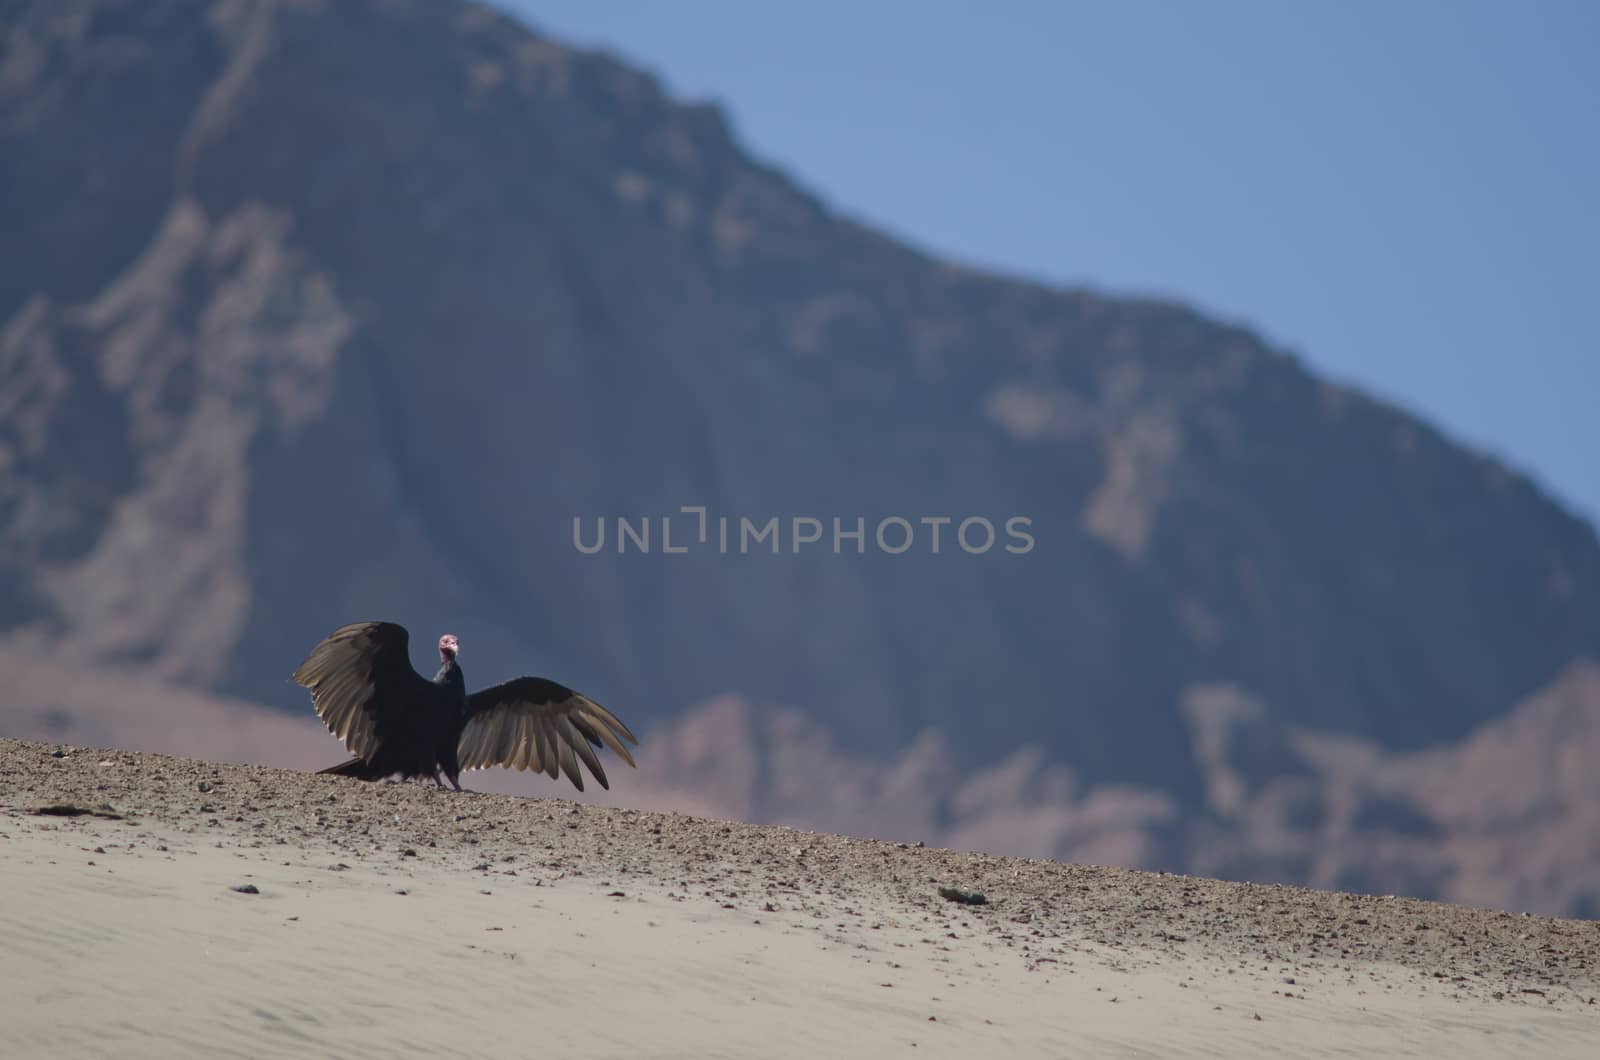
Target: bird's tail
(356, 767)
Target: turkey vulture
(396, 721)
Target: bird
(394, 720)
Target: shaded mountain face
(321, 311)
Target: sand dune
(393, 920)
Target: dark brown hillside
(317, 311)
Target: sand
(395, 919)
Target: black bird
(394, 720)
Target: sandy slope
(394, 920)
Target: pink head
(448, 647)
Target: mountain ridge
(338, 311)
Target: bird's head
(448, 647)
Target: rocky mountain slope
(316, 311)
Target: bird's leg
(454, 784)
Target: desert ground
(156, 907)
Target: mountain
(320, 311)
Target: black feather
(395, 721)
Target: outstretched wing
(363, 685)
(532, 723)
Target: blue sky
(1406, 194)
